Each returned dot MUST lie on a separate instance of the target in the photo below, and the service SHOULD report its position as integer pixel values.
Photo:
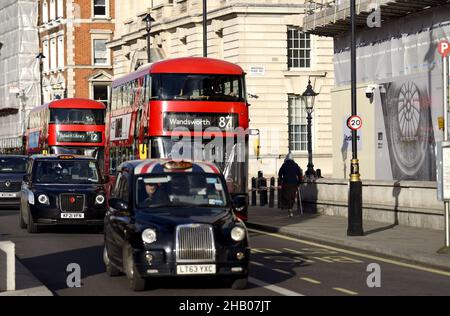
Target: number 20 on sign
(354, 123)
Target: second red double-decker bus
(68, 126)
(193, 108)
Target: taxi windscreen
(13, 165)
(180, 189)
(67, 172)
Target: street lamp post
(355, 227)
(41, 56)
(308, 98)
(148, 20)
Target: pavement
(398, 242)
(27, 284)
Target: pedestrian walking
(290, 175)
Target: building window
(298, 140)
(60, 9)
(61, 62)
(53, 54)
(299, 49)
(46, 52)
(100, 8)
(52, 10)
(100, 52)
(100, 92)
(44, 12)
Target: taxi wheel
(136, 283)
(32, 228)
(110, 269)
(22, 223)
(239, 284)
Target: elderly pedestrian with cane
(290, 175)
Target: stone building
(266, 39)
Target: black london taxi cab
(62, 190)
(12, 170)
(174, 219)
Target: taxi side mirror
(118, 204)
(239, 202)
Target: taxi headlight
(149, 236)
(238, 233)
(99, 199)
(43, 199)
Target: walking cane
(299, 201)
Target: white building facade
(266, 39)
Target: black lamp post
(355, 221)
(308, 98)
(205, 29)
(41, 56)
(148, 20)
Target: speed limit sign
(354, 123)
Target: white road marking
(311, 280)
(371, 257)
(282, 271)
(274, 288)
(345, 291)
(257, 263)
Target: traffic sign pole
(444, 50)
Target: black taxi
(62, 190)
(174, 219)
(12, 170)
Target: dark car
(62, 190)
(174, 219)
(12, 170)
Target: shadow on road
(51, 268)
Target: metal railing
(312, 6)
(265, 192)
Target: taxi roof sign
(66, 157)
(178, 165)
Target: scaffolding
(19, 69)
(332, 17)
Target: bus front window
(229, 156)
(198, 87)
(77, 116)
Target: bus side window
(112, 162)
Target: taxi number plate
(196, 269)
(8, 195)
(72, 215)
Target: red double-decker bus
(193, 108)
(68, 126)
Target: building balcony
(332, 17)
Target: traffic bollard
(279, 193)
(253, 191)
(272, 193)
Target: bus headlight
(43, 199)
(149, 236)
(99, 199)
(238, 233)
